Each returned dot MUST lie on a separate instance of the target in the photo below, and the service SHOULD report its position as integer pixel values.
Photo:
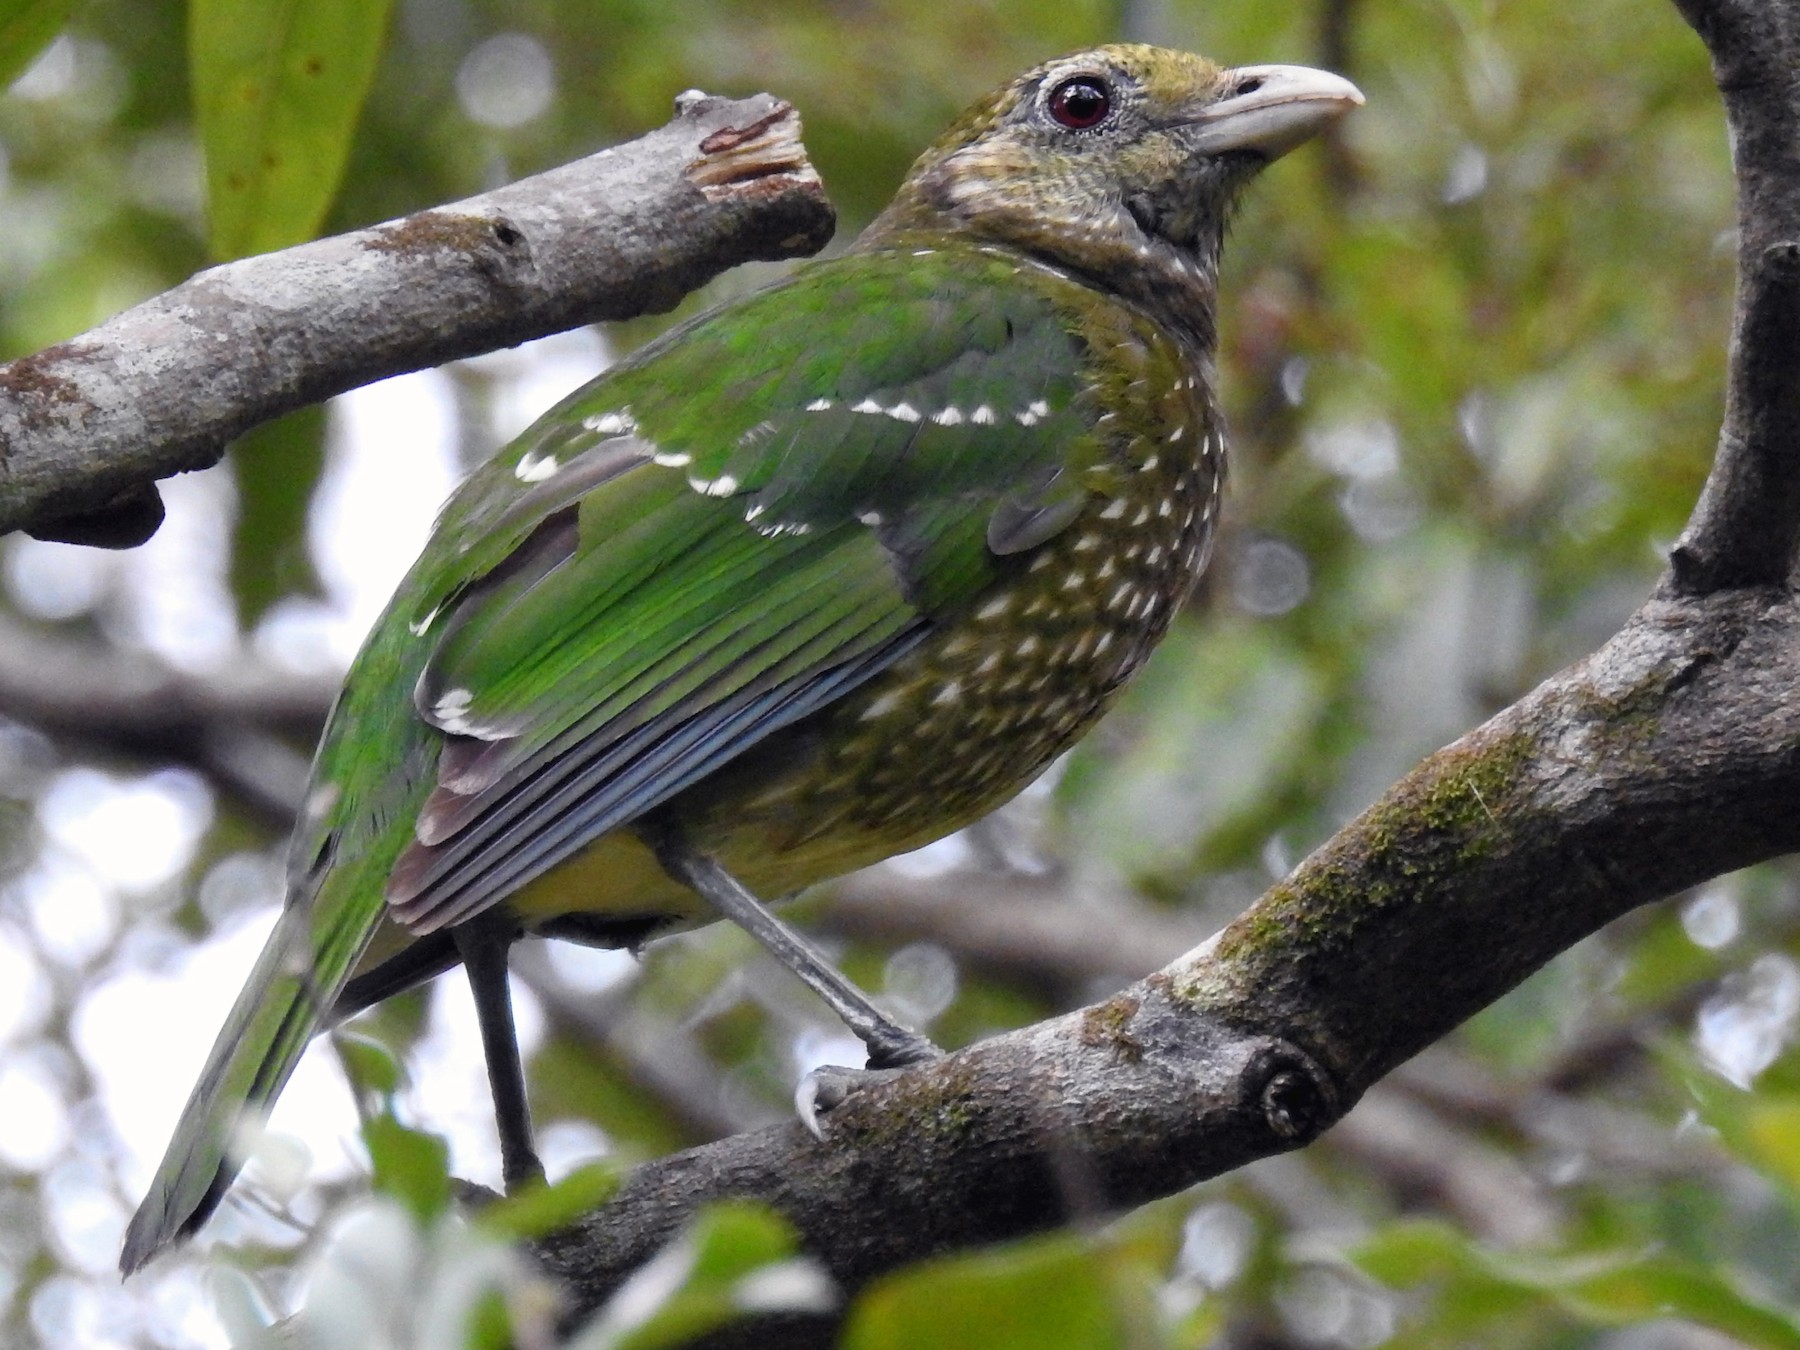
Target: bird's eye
(1080, 102)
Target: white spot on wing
(903, 412)
(948, 417)
(618, 422)
(534, 468)
(672, 459)
(777, 530)
(453, 703)
(418, 628)
(819, 405)
(983, 416)
(451, 713)
(994, 608)
(722, 486)
(1114, 509)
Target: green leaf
(1029, 1296)
(1604, 1288)
(411, 1165)
(734, 1259)
(538, 1211)
(26, 28)
(1761, 1128)
(1774, 1133)
(374, 1071)
(278, 87)
(277, 467)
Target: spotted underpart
(1018, 677)
(987, 705)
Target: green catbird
(815, 578)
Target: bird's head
(1121, 163)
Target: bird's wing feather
(798, 509)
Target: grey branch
(1027, 928)
(1745, 529)
(87, 426)
(1669, 756)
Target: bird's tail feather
(284, 1002)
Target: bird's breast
(979, 709)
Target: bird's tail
(284, 1002)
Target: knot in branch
(1293, 1094)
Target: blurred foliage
(277, 467)
(277, 93)
(1474, 356)
(26, 27)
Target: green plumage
(816, 577)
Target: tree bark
(87, 426)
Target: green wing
(775, 504)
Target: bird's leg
(890, 1045)
(483, 942)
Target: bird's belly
(949, 733)
(978, 711)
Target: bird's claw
(830, 1086)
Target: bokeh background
(1473, 357)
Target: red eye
(1080, 103)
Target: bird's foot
(830, 1085)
